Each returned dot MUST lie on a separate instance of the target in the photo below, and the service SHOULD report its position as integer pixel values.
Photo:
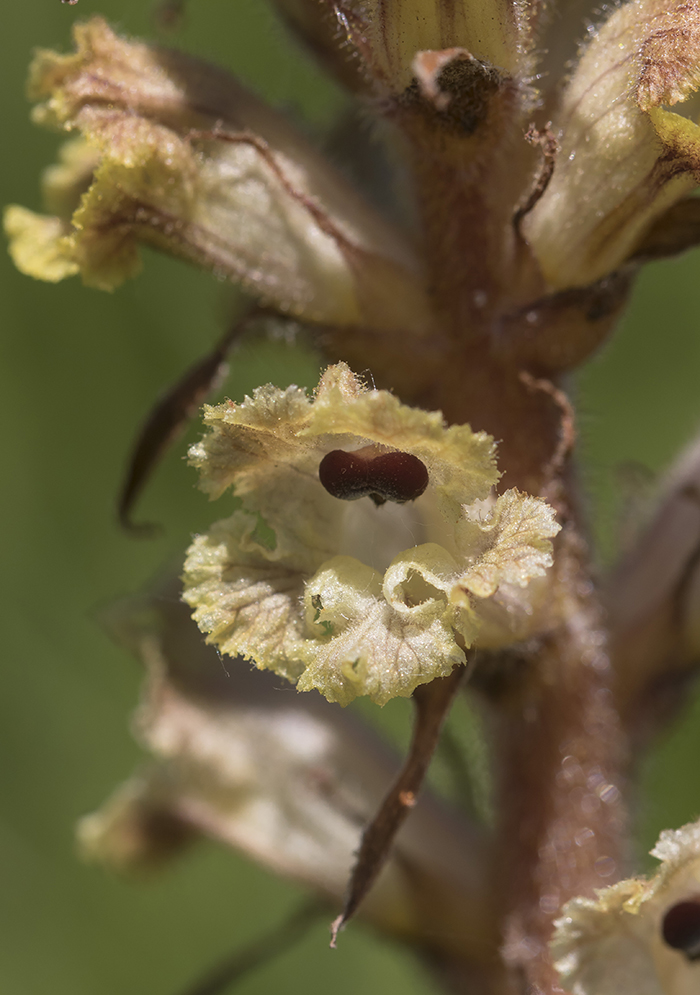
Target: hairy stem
(561, 755)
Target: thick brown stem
(561, 753)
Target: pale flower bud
(624, 158)
(493, 32)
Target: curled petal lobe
(36, 245)
(509, 543)
(370, 645)
(339, 591)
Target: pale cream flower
(638, 937)
(625, 158)
(288, 780)
(187, 160)
(346, 596)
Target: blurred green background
(79, 369)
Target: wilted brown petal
(288, 779)
(653, 598)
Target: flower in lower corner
(637, 937)
(368, 553)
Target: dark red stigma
(370, 472)
(681, 928)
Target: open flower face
(366, 542)
(368, 549)
(638, 937)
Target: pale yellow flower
(185, 159)
(346, 596)
(638, 937)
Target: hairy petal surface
(615, 945)
(624, 157)
(340, 595)
(190, 162)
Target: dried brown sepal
(653, 600)
(567, 433)
(545, 139)
(168, 418)
(674, 232)
(432, 705)
(261, 951)
(557, 332)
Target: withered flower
(287, 779)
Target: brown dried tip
(432, 704)
(169, 416)
(371, 472)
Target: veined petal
(248, 605)
(270, 446)
(493, 32)
(420, 582)
(275, 582)
(370, 648)
(508, 545)
(192, 163)
(624, 158)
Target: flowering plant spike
(499, 214)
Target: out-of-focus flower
(289, 780)
(638, 937)
(653, 601)
(406, 32)
(358, 597)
